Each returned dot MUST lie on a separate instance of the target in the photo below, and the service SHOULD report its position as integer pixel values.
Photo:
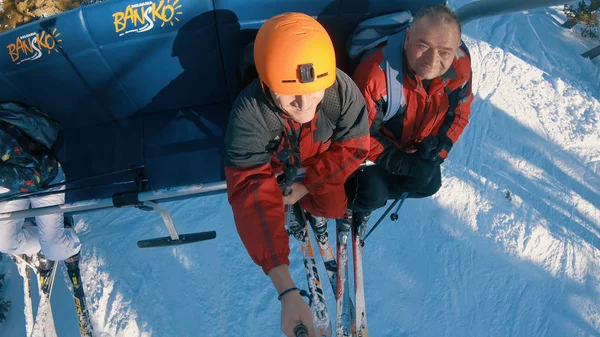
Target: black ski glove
(409, 165)
(396, 162)
(431, 147)
(419, 168)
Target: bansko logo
(30, 47)
(146, 14)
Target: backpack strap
(372, 32)
(392, 64)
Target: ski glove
(409, 164)
(431, 147)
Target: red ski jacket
(424, 111)
(257, 131)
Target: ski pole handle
(290, 174)
(289, 177)
(290, 171)
(300, 331)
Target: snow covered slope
(467, 262)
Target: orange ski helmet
(294, 55)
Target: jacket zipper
(427, 101)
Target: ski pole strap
(302, 293)
(283, 293)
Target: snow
(466, 262)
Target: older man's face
(431, 47)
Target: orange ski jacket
(330, 148)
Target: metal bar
(96, 176)
(592, 53)
(71, 182)
(66, 190)
(98, 204)
(183, 239)
(164, 213)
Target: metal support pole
(164, 213)
(99, 204)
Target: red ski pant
(331, 204)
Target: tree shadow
(430, 274)
(455, 253)
(543, 48)
(454, 263)
(530, 167)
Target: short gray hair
(440, 14)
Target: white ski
(23, 268)
(44, 321)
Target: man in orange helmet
(303, 108)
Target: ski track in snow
(467, 262)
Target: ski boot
(69, 222)
(360, 221)
(44, 270)
(72, 263)
(319, 227)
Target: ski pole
(300, 331)
(394, 216)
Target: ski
(345, 313)
(42, 324)
(344, 307)
(23, 266)
(72, 265)
(298, 227)
(44, 321)
(83, 316)
(358, 230)
(319, 227)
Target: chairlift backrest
(151, 82)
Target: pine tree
(20, 12)
(586, 15)
(4, 305)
